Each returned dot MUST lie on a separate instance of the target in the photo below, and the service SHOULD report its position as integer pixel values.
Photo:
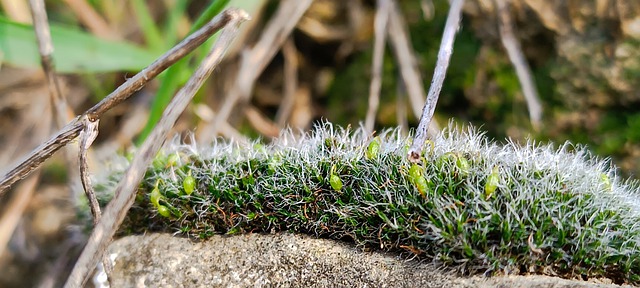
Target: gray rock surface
(284, 260)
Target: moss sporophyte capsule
(492, 182)
(373, 148)
(189, 184)
(163, 211)
(334, 180)
(155, 197)
(415, 176)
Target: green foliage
(74, 51)
(547, 208)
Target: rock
(285, 260)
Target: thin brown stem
(125, 191)
(254, 61)
(404, 54)
(444, 55)
(45, 48)
(88, 134)
(122, 93)
(90, 18)
(62, 112)
(519, 62)
(380, 28)
(290, 81)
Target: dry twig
(45, 48)
(88, 134)
(255, 60)
(16, 10)
(20, 198)
(380, 27)
(519, 62)
(125, 191)
(261, 123)
(15, 208)
(90, 18)
(72, 130)
(205, 113)
(444, 55)
(290, 80)
(62, 112)
(401, 108)
(399, 39)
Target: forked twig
(444, 55)
(125, 191)
(72, 130)
(519, 62)
(88, 134)
(62, 111)
(380, 28)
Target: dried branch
(88, 134)
(16, 10)
(290, 80)
(90, 18)
(444, 55)
(62, 112)
(261, 123)
(20, 197)
(255, 60)
(45, 48)
(380, 28)
(205, 113)
(125, 191)
(72, 130)
(519, 62)
(405, 56)
(401, 108)
(15, 208)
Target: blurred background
(294, 64)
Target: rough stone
(285, 260)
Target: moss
(469, 203)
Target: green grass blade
(175, 13)
(149, 29)
(75, 51)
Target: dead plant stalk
(444, 55)
(69, 132)
(124, 196)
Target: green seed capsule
(604, 179)
(423, 185)
(155, 196)
(492, 182)
(189, 184)
(373, 148)
(164, 211)
(335, 182)
(463, 165)
(415, 172)
(172, 160)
